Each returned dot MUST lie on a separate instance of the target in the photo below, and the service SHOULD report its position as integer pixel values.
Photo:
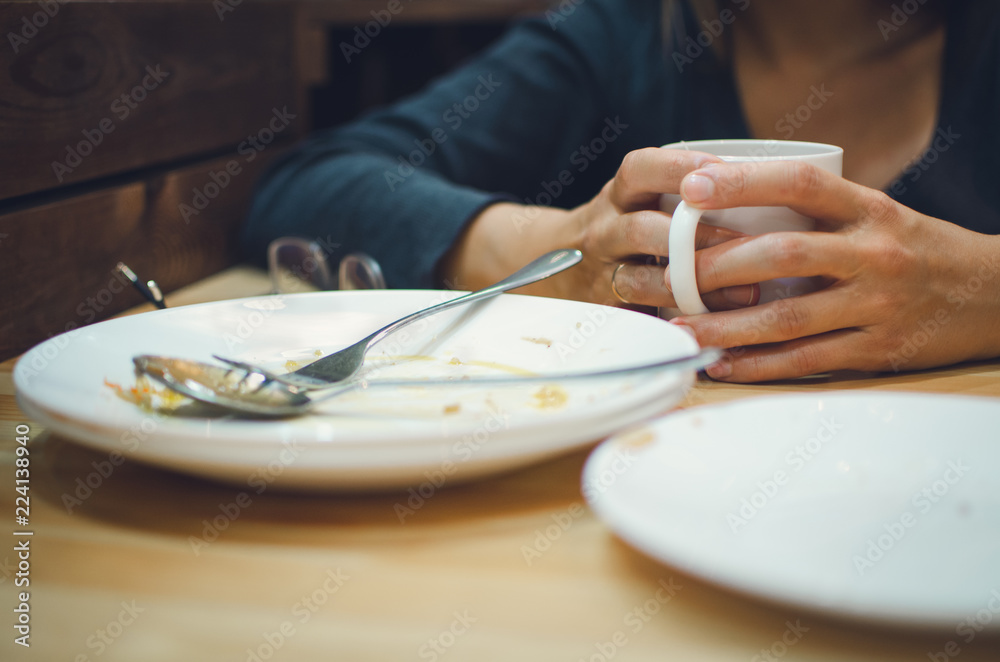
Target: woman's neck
(823, 71)
(832, 35)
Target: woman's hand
(622, 225)
(906, 291)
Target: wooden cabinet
(131, 131)
(135, 131)
(103, 89)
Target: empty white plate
(379, 438)
(870, 505)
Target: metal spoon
(340, 365)
(252, 393)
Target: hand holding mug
(748, 220)
(903, 291)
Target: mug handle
(683, 226)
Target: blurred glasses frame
(295, 264)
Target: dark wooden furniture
(130, 132)
(135, 131)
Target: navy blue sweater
(546, 115)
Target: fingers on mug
(749, 220)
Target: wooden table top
(338, 577)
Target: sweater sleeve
(401, 183)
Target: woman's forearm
(503, 238)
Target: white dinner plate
(876, 506)
(379, 438)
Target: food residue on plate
(538, 341)
(146, 396)
(637, 438)
(392, 360)
(549, 397)
(386, 359)
(513, 370)
(151, 397)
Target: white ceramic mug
(750, 220)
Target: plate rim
(905, 618)
(103, 436)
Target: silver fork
(340, 365)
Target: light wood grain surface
(338, 577)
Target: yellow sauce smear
(501, 367)
(637, 438)
(514, 370)
(452, 409)
(538, 341)
(549, 397)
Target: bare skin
(894, 274)
(883, 94)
